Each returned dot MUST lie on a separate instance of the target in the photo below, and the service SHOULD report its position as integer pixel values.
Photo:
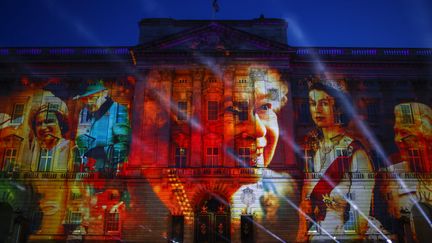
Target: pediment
(214, 37)
(11, 140)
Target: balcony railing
(204, 172)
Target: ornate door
(212, 224)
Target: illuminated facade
(215, 131)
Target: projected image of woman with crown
(335, 203)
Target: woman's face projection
(256, 124)
(47, 129)
(321, 108)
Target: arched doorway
(212, 223)
(6, 216)
(421, 216)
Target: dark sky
(339, 23)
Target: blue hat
(91, 89)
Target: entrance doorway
(212, 224)
(6, 216)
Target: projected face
(321, 108)
(94, 101)
(256, 125)
(47, 129)
(409, 125)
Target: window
(339, 116)
(242, 110)
(244, 156)
(9, 160)
(415, 159)
(377, 160)
(372, 110)
(302, 112)
(212, 157)
(180, 157)
(85, 116)
(119, 155)
(308, 159)
(112, 221)
(51, 115)
(313, 227)
(407, 116)
(247, 228)
(77, 160)
(212, 110)
(181, 110)
(300, 85)
(177, 228)
(45, 159)
(74, 217)
(76, 195)
(351, 224)
(242, 81)
(122, 114)
(342, 154)
(17, 114)
(53, 106)
(36, 222)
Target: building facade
(215, 131)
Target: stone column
(286, 125)
(228, 140)
(162, 151)
(135, 154)
(196, 123)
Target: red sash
(330, 179)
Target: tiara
(339, 85)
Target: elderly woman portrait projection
(256, 131)
(219, 125)
(413, 137)
(103, 139)
(335, 203)
(49, 125)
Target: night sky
(338, 23)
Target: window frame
(308, 159)
(48, 156)
(244, 155)
(17, 118)
(112, 222)
(415, 159)
(6, 162)
(349, 227)
(407, 114)
(303, 112)
(343, 152)
(242, 108)
(74, 217)
(122, 117)
(182, 111)
(212, 110)
(181, 157)
(84, 116)
(212, 159)
(372, 112)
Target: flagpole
(215, 8)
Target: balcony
(202, 173)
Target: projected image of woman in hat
(105, 141)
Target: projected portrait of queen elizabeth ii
(256, 132)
